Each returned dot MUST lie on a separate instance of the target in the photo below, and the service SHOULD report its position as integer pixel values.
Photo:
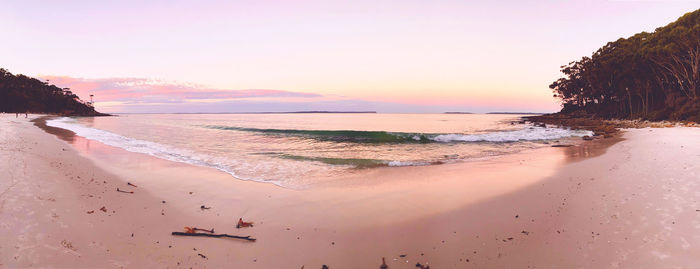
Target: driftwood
(129, 183)
(191, 230)
(215, 235)
(125, 191)
(204, 230)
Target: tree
(19, 93)
(648, 75)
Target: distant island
(284, 112)
(22, 94)
(341, 112)
(650, 76)
(516, 113)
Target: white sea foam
(400, 163)
(526, 134)
(279, 171)
(141, 146)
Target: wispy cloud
(142, 91)
(140, 95)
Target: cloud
(147, 91)
(140, 95)
(256, 105)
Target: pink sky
(389, 56)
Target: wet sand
(630, 204)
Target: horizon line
(339, 112)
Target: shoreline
(605, 128)
(449, 211)
(529, 142)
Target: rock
(587, 138)
(422, 266)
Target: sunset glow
(388, 56)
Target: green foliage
(652, 76)
(19, 94)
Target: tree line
(20, 94)
(652, 76)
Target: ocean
(297, 150)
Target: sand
(630, 204)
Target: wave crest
(525, 134)
(146, 147)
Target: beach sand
(621, 203)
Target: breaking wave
(355, 163)
(525, 134)
(146, 147)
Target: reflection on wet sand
(64, 134)
(80, 143)
(589, 149)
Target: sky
(261, 56)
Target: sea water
(298, 149)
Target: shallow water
(300, 149)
